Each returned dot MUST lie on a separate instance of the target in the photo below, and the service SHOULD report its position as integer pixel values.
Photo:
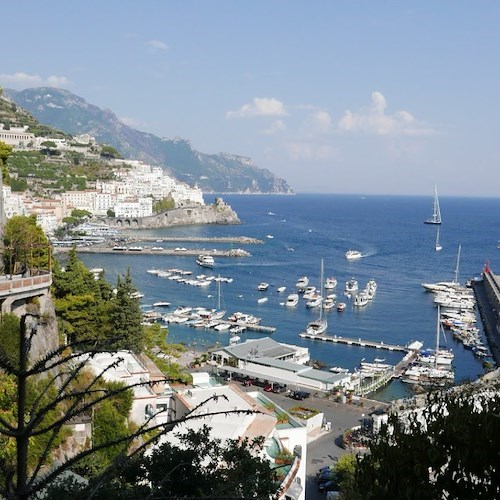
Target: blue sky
(371, 97)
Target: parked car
(299, 395)
(332, 485)
(279, 388)
(268, 388)
(248, 382)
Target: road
(326, 448)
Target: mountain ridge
(213, 173)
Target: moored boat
(205, 260)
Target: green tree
(197, 460)
(164, 205)
(126, 317)
(5, 152)
(449, 449)
(109, 152)
(25, 244)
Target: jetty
(357, 342)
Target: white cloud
(157, 45)
(25, 80)
(276, 126)
(374, 120)
(260, 106)
(318, 123)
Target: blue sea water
(398, 252)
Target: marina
(398, 260)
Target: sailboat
(436, 212)
(438, 245)
(319, 325)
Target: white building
(218, 413)
(18, 137)
(134, 207)
(265, 359)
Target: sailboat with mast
(438, 244)
(436, 211)
(319, 325)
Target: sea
(298, 232)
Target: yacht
(330, 283)
(353, 254)
(351, 286)
(302, 283)
(292, 300)
(263, 286)
(205, 260)
(361, 299)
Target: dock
(357, 342)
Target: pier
(357, 342)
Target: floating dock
(357, 342)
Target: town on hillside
(130, 191)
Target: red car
(268, 388)
(248, 382)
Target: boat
(447, 285)
(270, 236)
(338, 369)
(351, 286)
(353, 255)
(302, 283)
(319, 325)
(292, 300)
(330, 283)
(361, 299)
(281, 289)
(263, 286)
(341, 306)
(435, 218)
(262, 300)
(161, 303)
(438, 244)
(204, 260)
(328, 303)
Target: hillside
(221, 173)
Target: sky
(335, 96)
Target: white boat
(205, 260)
(330, 283)
(310, 293)
(338, 369)
(353, 255)
(262, 286)
(302, 283)
(447, 285)
(292, 300)
(438, 356)
(161, 303)
(351, 286)
(281, 289)
(319, 325)
(270, 236)
(222, 327)
(361, 299)
(435, 218)
(438, 244)
(262, 300)
(314, 301)
(341, 306)
(328, 303)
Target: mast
(321, 286)
(437, 337)
(458, 264)
(437, 211)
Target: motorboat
(341, 306)
(314, 301)
(361, 299)
(292, 300)
(353, 255)
(330, 283)
(302, 283)
(263, 286)
(262, 300)
(281, 289)
(161, 303)
(205, 260)
(310, 293)
(351, 286)
(328, 303)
